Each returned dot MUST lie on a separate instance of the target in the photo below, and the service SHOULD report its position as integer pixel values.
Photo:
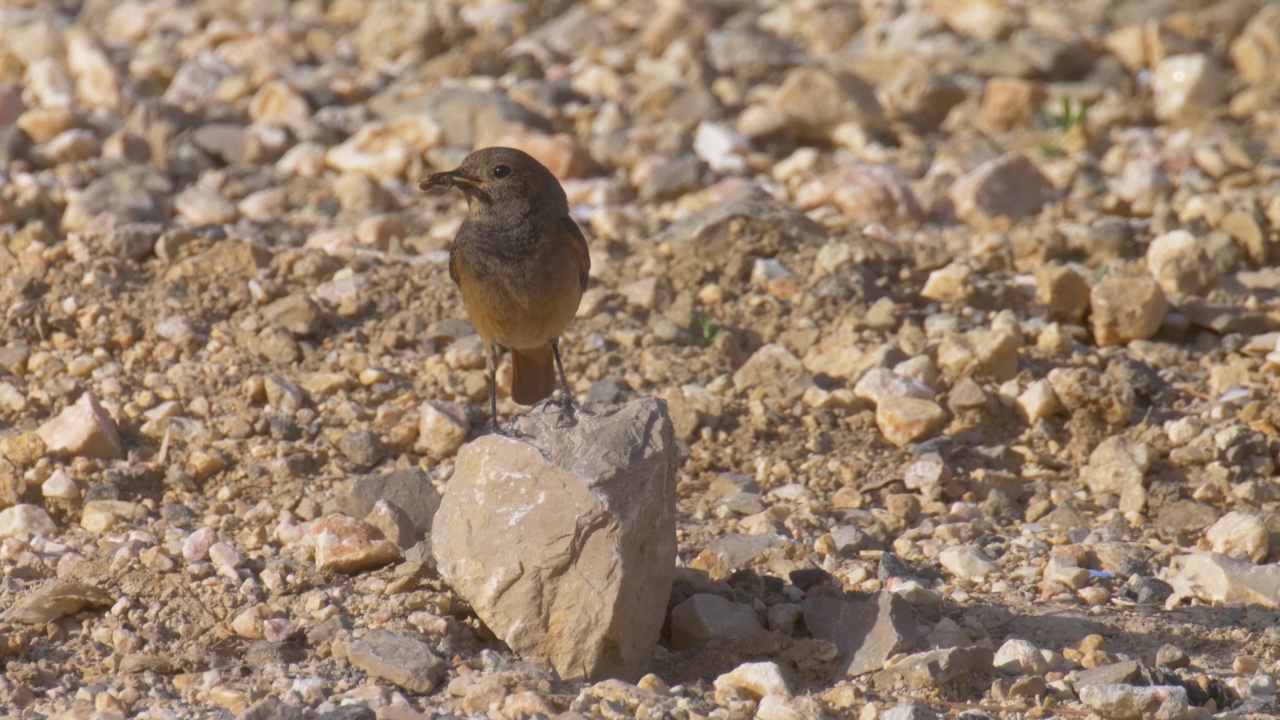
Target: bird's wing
(579, 245)
(453, 263)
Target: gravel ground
(966, 311)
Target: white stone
(24, 519)
(1037, 402)
(1239, 534)
(1186, 88)
(757, 679)
(967, 562)
(83, 429)
(60, 486)
(1020, 657)
(442, 428)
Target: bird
(521, 265)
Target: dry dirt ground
(209, 221)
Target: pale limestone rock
(1126, 308)
(1178, 261)
(1187, 88)
(774, 371)
(83, 430)
(904, 420)
(1020, 657)
(756, 679)
(979, 353)
(967, 562)
(1123, 701)
(1217, 578)
(564, 541)
(1064, 290)
(1037, 402)
(442, 428)
(99, 516)
(949, 284)
(24, 519)
(1119, 466)
(1240, 534)
(1256, 51)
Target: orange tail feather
(533, 374)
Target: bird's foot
(568, 411)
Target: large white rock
(563, 541)
(1216, 578)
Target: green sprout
(710, 331)
(1070, 116)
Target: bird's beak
(453, 178)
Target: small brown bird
(521, 265)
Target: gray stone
(774, 371)
(747, 52)
(564, 541)
(673, 178)
(724, 239)
(410, 490)
(737, 550)
(1125, 671)
(945, 669)
(1173, 657)
(867, 633)
(362, 447)
(349, 712)
(223, 140)
(706, 618)
(909, 711)
(474, 118)
(1128, 702)
(1007, 189)
(399, 28)
(296, 313)
(400, 659)
(265, 652)
(127, 196)
(133, 241)
(271, 709)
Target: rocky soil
(966, 313)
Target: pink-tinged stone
(864, 193)
(196, 547)
(345, 544)
(83, 430)
(562, 154)
(278, 629)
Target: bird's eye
(501, 171)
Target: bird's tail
(533, 374)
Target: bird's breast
(518, 299)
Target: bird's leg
(494, 358)
(567, 405)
